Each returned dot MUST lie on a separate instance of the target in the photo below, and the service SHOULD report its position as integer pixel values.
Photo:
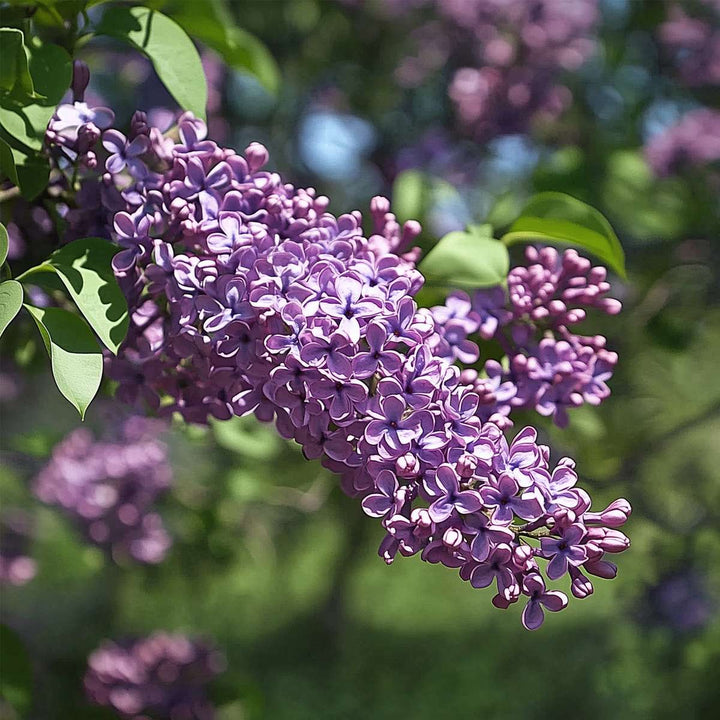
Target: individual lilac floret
(162, 676)
(539, 598)
(247, 296)
(109, 489)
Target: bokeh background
(458, 121)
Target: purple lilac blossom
(509, 57)
(694, 141)
(163, 676)
(109, 487)
(548, 368)
(247, 296)
(691, 37)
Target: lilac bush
(163, 676)
(247, 296)
(109, 488)
(511, 55)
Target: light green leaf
(4, 244)
(85, 268)
(553, 217)
(75, 356)
(410, 194)
(171, 51)
(11, 297)
(466, 260)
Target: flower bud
(80, 80)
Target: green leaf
(16, 679)
(554, 217)
(237, 47)
(19, 125)
(85, 268)
(75, 356)
(33, 174)
(4, 244)
(51, 70)
(11, 297)
(171, 51)
(16, 84)
(7, 162)
(466, 260)
(410, 194)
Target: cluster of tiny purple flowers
(692, 142)
(246, 295)
(109, 489)
(163, 676)
(513, 54)
(548, 368)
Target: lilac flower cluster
(694, 141)
(16, 566)
(691, 36)
(246, 295)
(109, 488)
(512, 54)
(549, 368)
(163, 676)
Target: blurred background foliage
(269, 559)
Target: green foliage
(75, 357)
(16, 676)
(166, 44)
(11, 297)
(85, 268)
(468, 259)
(16, 83)
(554, 218)
(4, 244)
(213, 24)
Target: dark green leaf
(16, 678)
(16, 84)
(238, 48)
(51, 70)
(84, 266)
(11, 297)
(171, 51)
(7, 162)
(75, 356)
(33, 174)
(553, 217)
(466, 260)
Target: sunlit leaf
(75, 356)
(468, 260)
(11, 297)
(84, 266)
(171, 51)
(553, 217)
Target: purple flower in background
(16, 565)
(163, 675)
(109, 489)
